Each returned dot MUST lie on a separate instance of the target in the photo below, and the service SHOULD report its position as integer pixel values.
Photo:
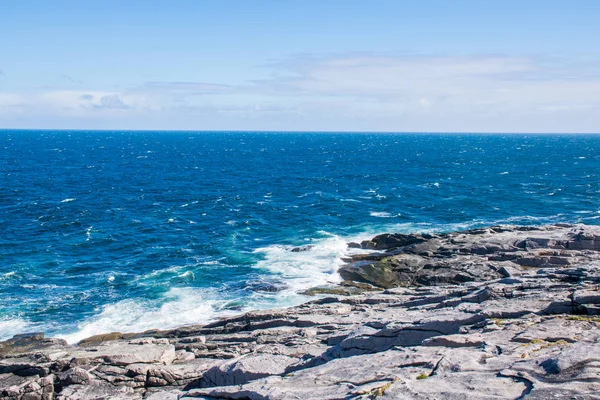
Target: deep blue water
(104, 231)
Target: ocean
(106, 231)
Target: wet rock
(300, 249)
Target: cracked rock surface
(502, 312)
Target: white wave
(183, 306)
(68, 200)
(380, 214)
(173, 270)
(12, 326)
(7, 275)
(188, 275)
(317, 265)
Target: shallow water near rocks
(105, 231)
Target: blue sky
(469, 66)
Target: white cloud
(374, 92)
(72, 103)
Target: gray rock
(96, 390)
(473, 256)
(247, 368)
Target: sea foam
(180, 306)
(12, 326)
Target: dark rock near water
(390, 241)
(488, 313)
(299, 249)
(473, 256)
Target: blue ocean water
(105, 231)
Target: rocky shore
(501, 312)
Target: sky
(301, 65)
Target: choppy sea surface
(128, 231)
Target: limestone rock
(247, 368)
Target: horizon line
(293, 131)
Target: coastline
(493, 312)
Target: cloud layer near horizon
(344, 92)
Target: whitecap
(68, 200)
(380, 214)
(429, 185)
(7, 275)
(187, 275)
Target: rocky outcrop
(470, 256)
(520, 329)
